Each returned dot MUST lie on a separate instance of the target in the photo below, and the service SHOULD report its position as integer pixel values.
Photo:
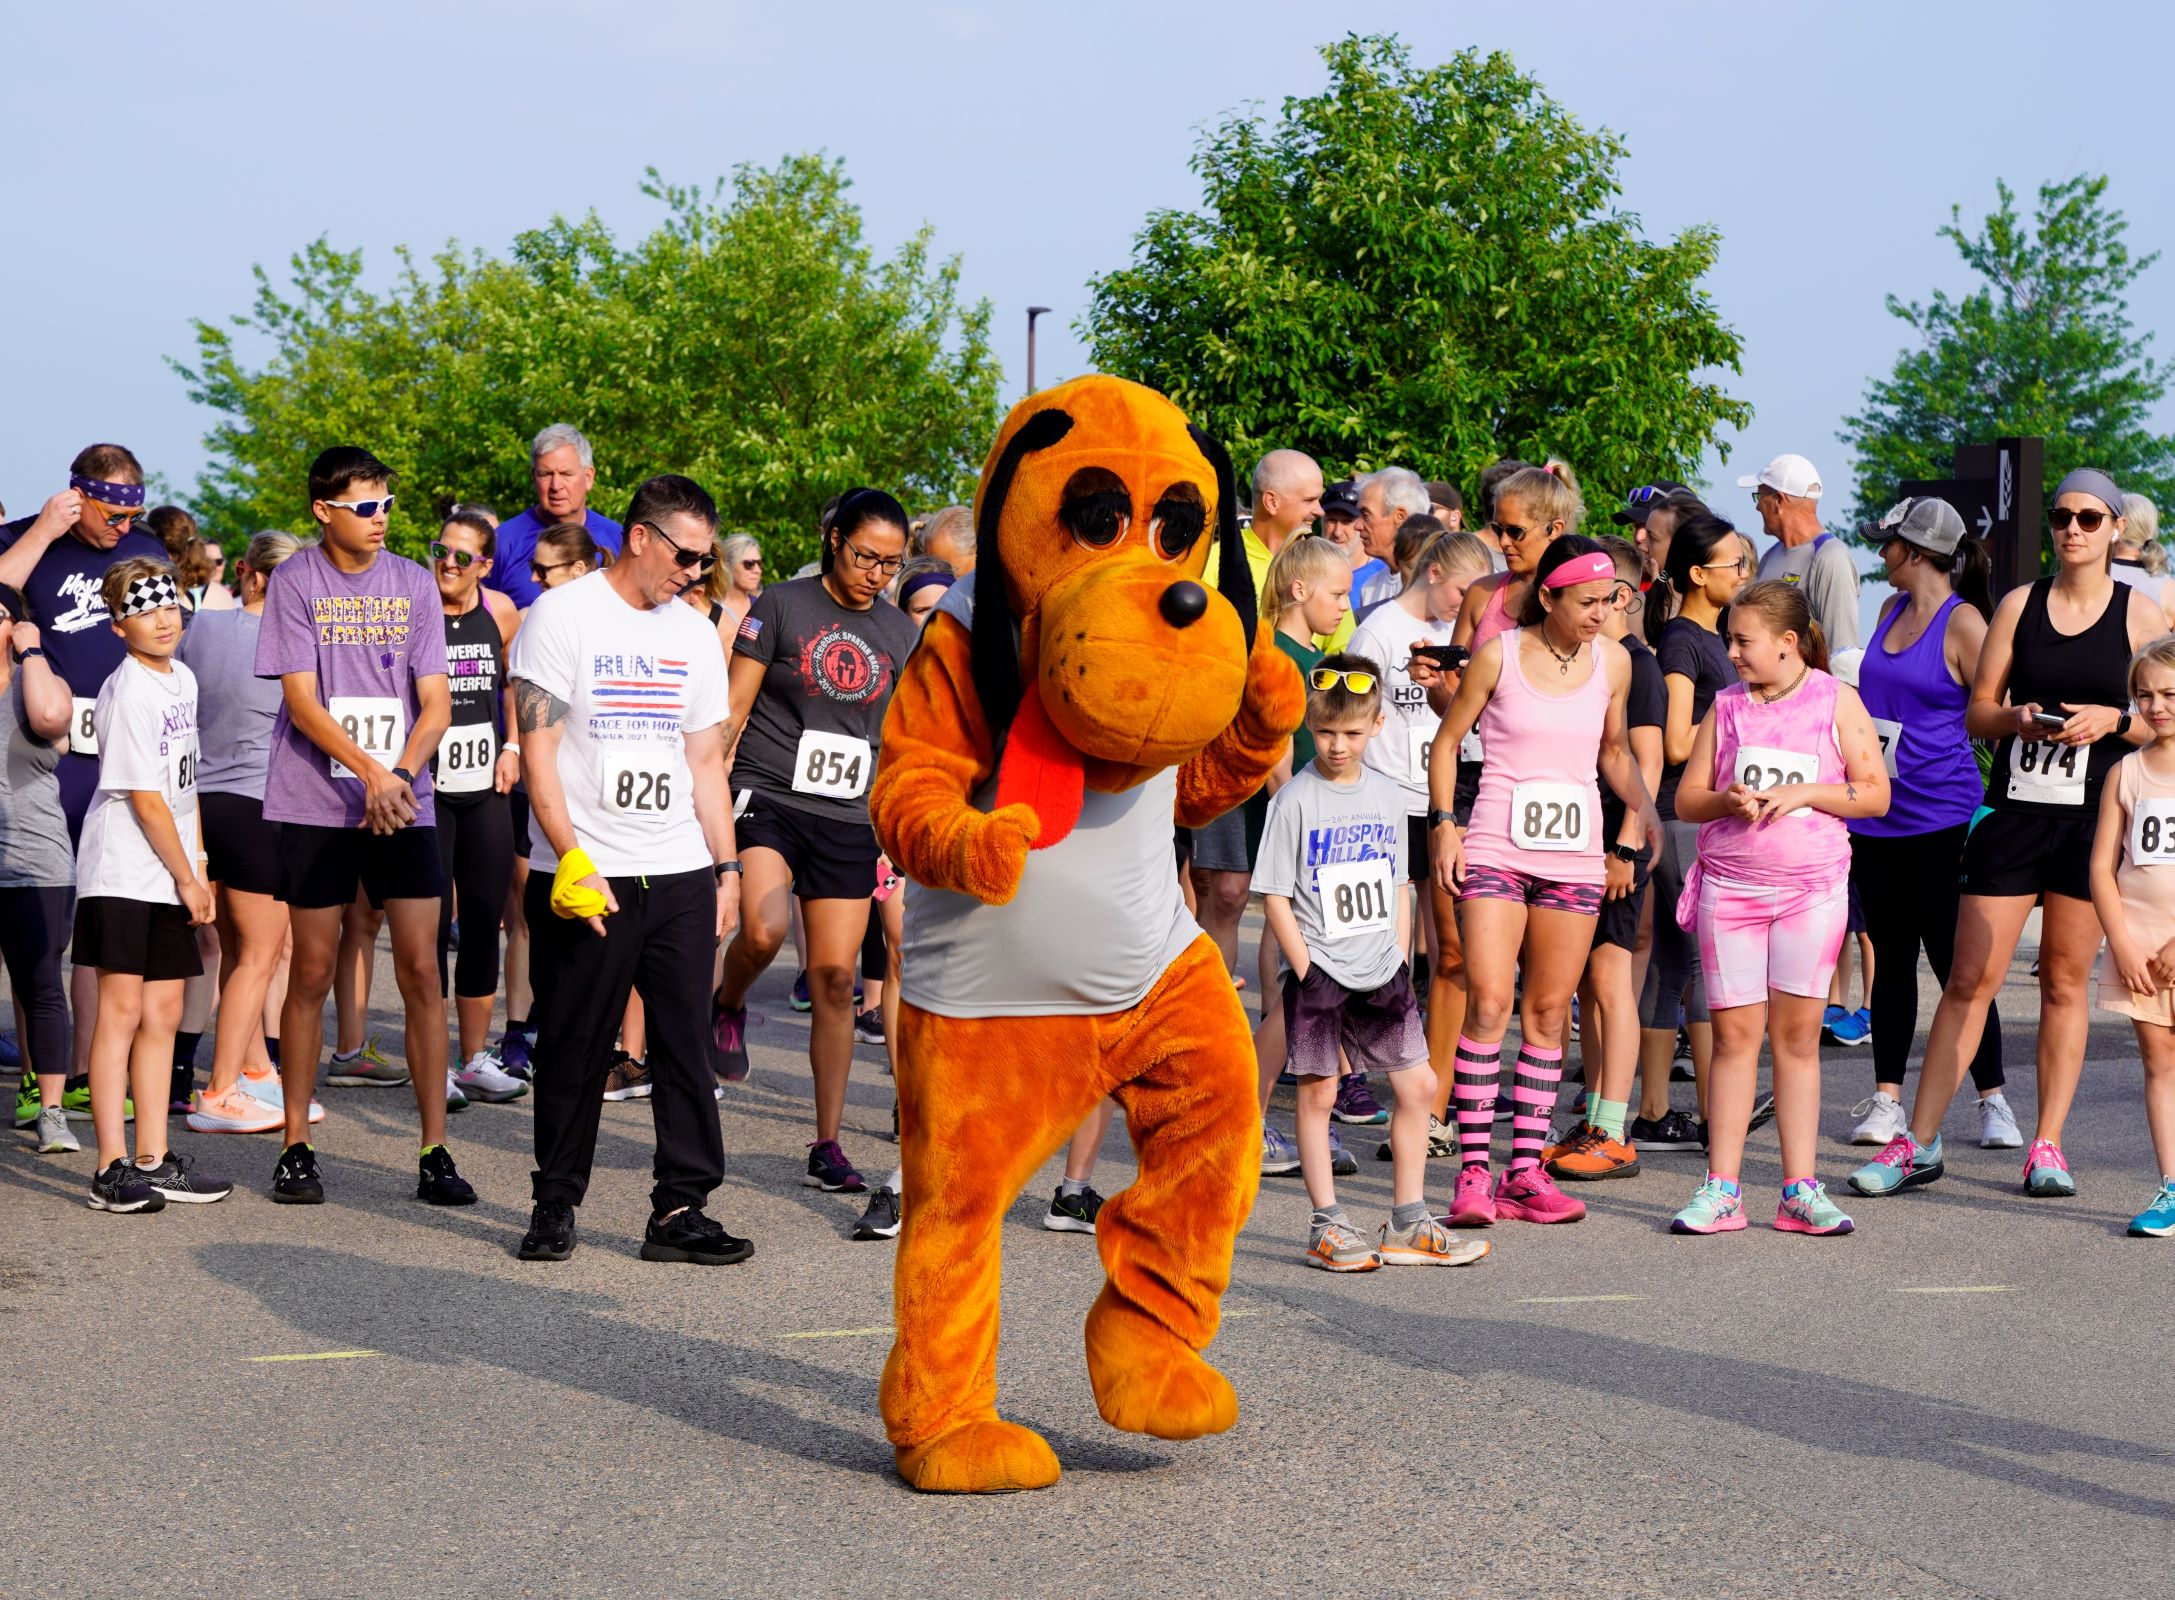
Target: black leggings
(476, 845)
(35, 926)
(875, 964)
(1908, 888)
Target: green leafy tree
(1424, 266)
(2042, 347)
(752, 341)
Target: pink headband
(1591, 567)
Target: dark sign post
(2000, 491)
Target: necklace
(1563, 662)
(1784, 693)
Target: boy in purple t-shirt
(358, 641)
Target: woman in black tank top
(2057, 649)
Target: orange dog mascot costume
(1072, 698)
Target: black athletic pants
(661, 942)
(35, 927)
(1908, 888)
(476, 846)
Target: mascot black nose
(1183, 604)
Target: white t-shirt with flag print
(636, 683)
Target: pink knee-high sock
(1473, 1094)
(1533, 1101)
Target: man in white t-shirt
(634, 874)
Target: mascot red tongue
(1078, 695)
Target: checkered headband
(149, 594)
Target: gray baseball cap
(1924, 521)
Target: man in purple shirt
(564, 468)
(357, 638)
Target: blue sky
(154, 156)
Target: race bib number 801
(1357, 897)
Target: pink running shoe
(2046, 1174)
(1473, 1203)
(232, 1112)
(1531, 1195)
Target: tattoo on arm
(537, 707)
(1850, 792)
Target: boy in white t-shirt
(141, 891)
(1331, 876)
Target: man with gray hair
(1386, 498)
(948, 535)
(564, 471)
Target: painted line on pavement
(840, 1333)
(1575, 1299)
(1967, 1288)
(317, 1355)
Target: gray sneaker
(367, 1068)
(54, 1136)
(1342, 1163)
(1339, 1247)
(1279, 1156)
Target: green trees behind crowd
(1428, 267)
(751, 341)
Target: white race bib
(832, 764)
(185, 760)
(2152, 833)
(638, 783)
(1469, 747)
(1421, 737)
(1357, 897)
(1762, 767)
(467, 758)
(1890, 735)
(2047, 774)
(376, 722)
(1548, 816)
(83, 728)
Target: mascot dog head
(1093, 522)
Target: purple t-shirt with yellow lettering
(368, 636)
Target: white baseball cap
(1787, 474)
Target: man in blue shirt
(564, 469)
(59, 559)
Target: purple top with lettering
(368, 636)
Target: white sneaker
(1997, 1125)
(456, 1099)
(232, 1112)
(54, 1136)
(484, 1079)
(1881, 1119)
(273, 1093)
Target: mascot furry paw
(1077, 695)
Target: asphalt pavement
(1970, 1396)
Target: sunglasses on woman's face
(2087, 521)
(463, 559)
(1330, 677)
(541, 571)
(755, 565)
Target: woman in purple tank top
(1916, 681)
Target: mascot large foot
(1147, 1380)
(991, 1457)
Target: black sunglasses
(2087, 521)
(541, 571)
(701, 560)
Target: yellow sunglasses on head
(1330, 677)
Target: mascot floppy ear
(1040, 768)
(1234, 574)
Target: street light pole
(1032, 313)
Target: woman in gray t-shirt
(37, 871)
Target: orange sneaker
(1591, 1155)
(1577, 1139)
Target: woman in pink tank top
(1782, 759)
(1548, 697)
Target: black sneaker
(830, 1171)
(1672, 1130)
(295, 1181)
(1763, 1112)
(691, 1235)
(438, 1183)
(881, 1219)
(1680, 1063)
(121, 1187)
(174, 1179)
(627, 1078)
(868, 1026)
(551, 1232)
(1073, 1213)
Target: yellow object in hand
(568, 896)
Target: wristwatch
(34, 650)
(405, 776)
(724, 867)
(2122, 726)
(1624, 852)
(1436, 819)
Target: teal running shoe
(1903, 1163)
(1714, 1209)
(2157, 1221)
(2046, 1174)
(1809, 1210)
